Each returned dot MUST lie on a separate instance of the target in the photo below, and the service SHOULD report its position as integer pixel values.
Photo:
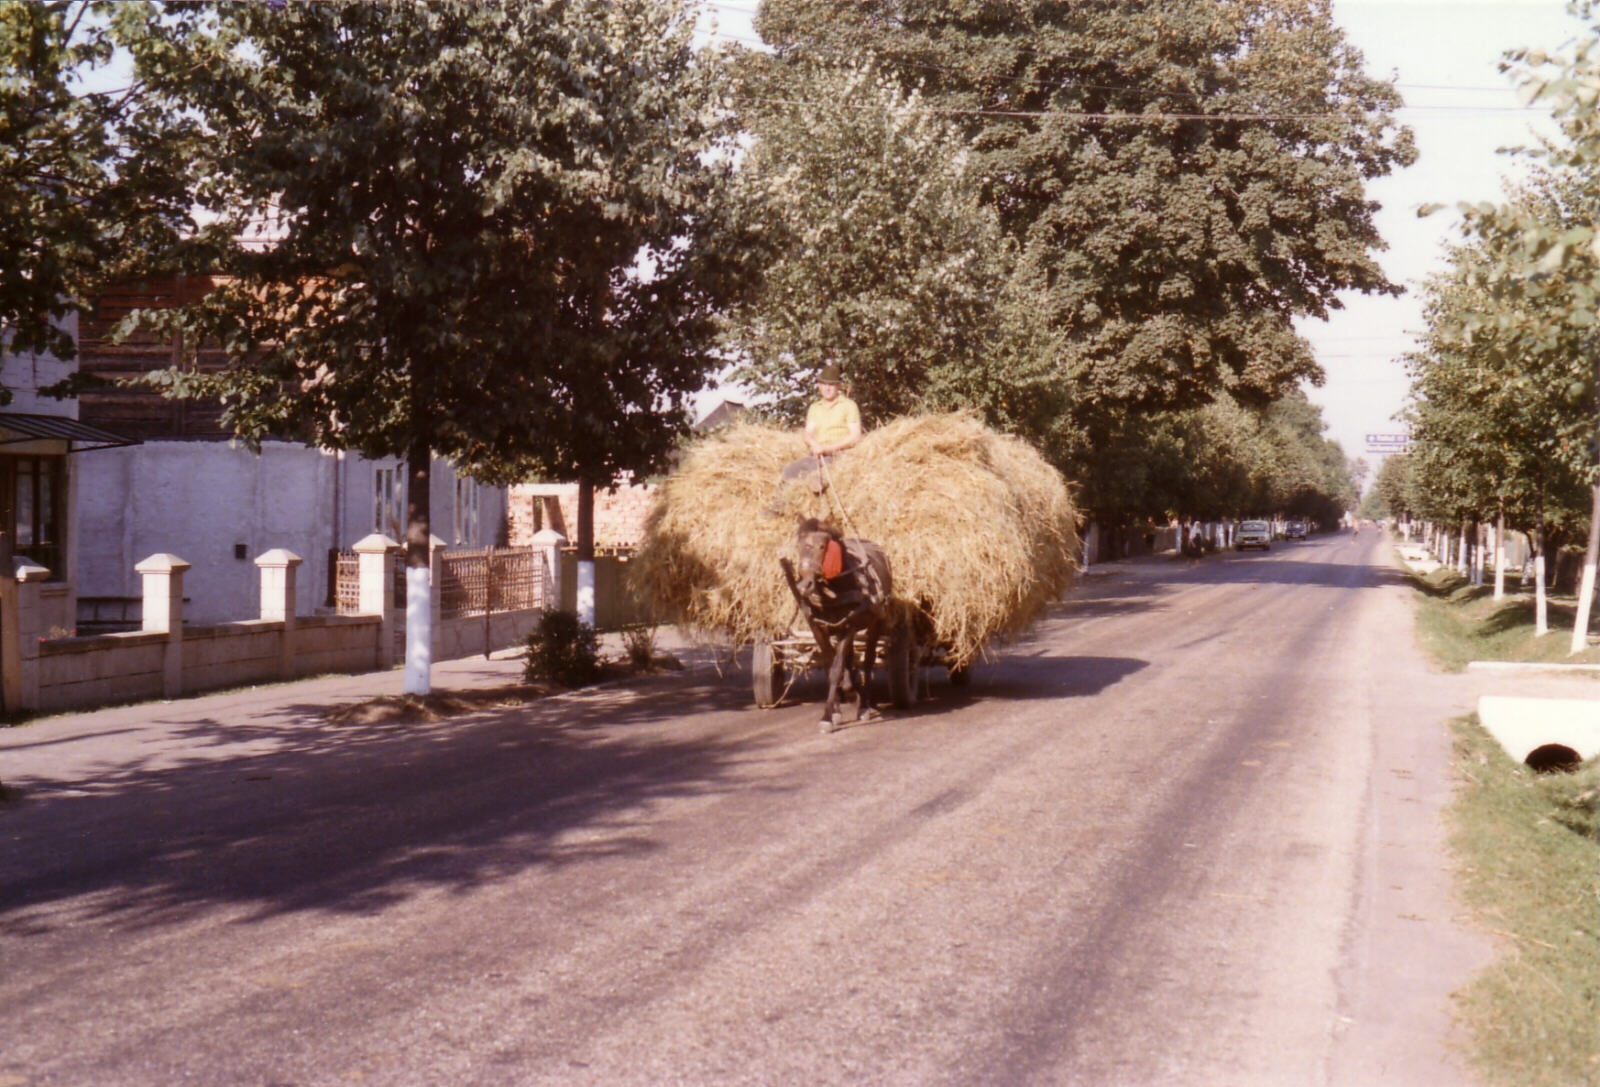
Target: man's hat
(830, 375)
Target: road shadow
(1093, 608)
(1237, 568)
(288, 812)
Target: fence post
(163, 614)
(278, 576)
(548, 542)
(488, 601)
(375, 573)
(27, 582)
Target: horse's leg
(849, 676)
(870, 651)
(852, 683)
(830, 709)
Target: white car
(1254, 534)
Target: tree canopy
(883, 256)
(488, 231)
(88, 181)
(1188, 176)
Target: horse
(843, 587)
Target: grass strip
(1458, 622)
(1528, 846)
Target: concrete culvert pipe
(1547, 734)
(1551, 758)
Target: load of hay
(980, 531)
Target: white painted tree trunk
(586, 593)
(1500, 557)
(1541, 608)
(1580, 626)
(419, 630)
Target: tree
(1187, 176)
(883, 257)
(1563, 254)
(88, 180)
(1504, 397)
(493, 233)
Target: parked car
(1254, 534)
(1294, 530)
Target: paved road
(1184, 834)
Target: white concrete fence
(166, 659)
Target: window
(467, 511)
(388, 502)
(34, 491)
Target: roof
(16, 427)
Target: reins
(833, 495)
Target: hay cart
(776, 662)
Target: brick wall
(618, 515)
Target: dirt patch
(410, 709)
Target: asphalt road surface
(1185, 833)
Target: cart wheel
(961, 677)
(902, 662)
(766, 675)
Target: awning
(18, 427)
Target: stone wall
(170, 658)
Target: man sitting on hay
(833, 424)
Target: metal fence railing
(489, 579)
(475, 581)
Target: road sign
(1388, 443)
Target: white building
(218, 506)
(92, 486)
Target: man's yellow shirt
(830, 420)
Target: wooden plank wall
(139, 412)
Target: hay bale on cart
(980, 531)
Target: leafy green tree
(1391, 489)
(495, 233)
(1188, 176)
(1506, 410)
(1226, 461)
(883, 257)
(89, 183)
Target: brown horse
(843, 587)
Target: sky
(1444, 56)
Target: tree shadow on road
(285, 811)
(1230, 568)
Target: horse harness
(851, 582)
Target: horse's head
(821, 556)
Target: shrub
(562, 651)
(639, 641)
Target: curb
(1525, 667)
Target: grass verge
(1529, 852)
(1458, 623)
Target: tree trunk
(419, 564)
(1591, 556)
(1541, 598)
(1541, 611)
(586, 553)
(1500, 552)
